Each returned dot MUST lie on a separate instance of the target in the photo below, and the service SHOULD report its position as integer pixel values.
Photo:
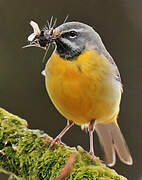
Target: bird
(84, 84)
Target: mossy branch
(25, 155)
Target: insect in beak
(36, 31)
(32, 38)
(40, 38)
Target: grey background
(22, 89)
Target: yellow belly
(81, 89)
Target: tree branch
(25, 154)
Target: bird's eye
(72, 34)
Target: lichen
(25, 155)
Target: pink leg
(91, 129)
(58, 138)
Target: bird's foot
(93, 156)
(56, 140)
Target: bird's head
(70, 39)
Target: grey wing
(110, 59)
(103, 51)
(116, 68)
(117, 74)
(99, 46)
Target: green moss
(26, 155)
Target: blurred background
(22, 88)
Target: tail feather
(112, 140)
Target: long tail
(112, 140)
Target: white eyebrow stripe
(77, 30)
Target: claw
(56, 140)
(93, 156)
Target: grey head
(72, 39)
(76, 38)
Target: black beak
(45, 38)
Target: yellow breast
(83, 89)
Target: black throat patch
(66, 51)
